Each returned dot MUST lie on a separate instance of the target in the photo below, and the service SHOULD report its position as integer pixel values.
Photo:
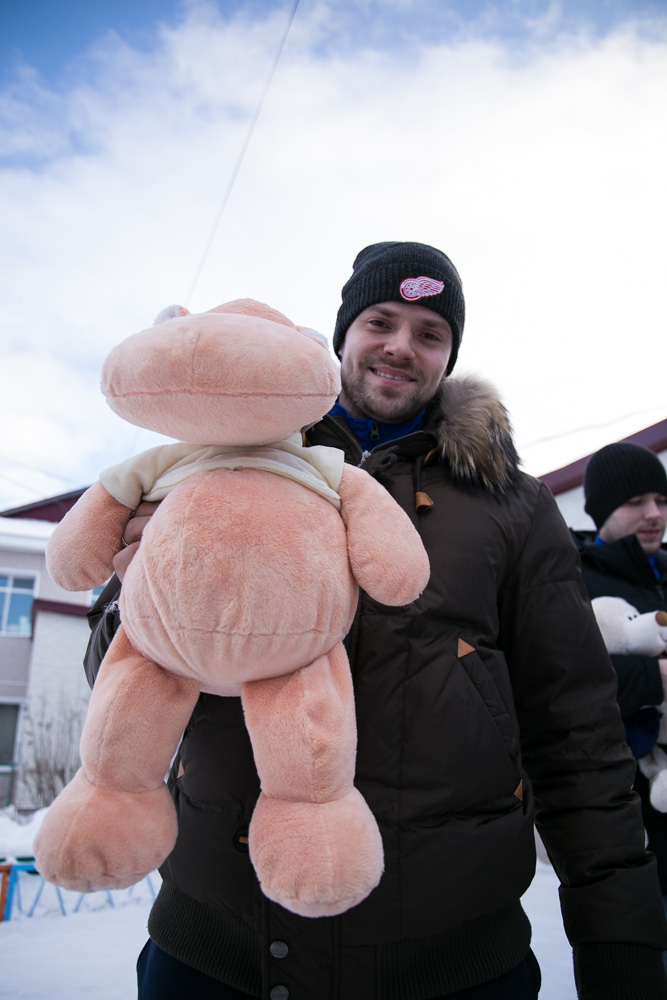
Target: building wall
(571, 506)
(42, 684)
(35, 563)
(59, 643)
(15, 655)
(55, 709)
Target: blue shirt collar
(371, 433)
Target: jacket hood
(474, 434)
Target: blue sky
(527, 139)
(53, 36)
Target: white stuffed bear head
(626, 632)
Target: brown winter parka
(485, 706)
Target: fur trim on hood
(474, 433)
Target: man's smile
(391, 375)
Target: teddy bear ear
(169, 313)
(314, 335)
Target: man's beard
(364, 402)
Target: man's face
(644, 516)
(393, 359)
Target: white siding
(43, 673)
(58, 695)
(59, 643)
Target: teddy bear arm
(79, 554)
(386, 554)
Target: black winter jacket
(621, 569)
(488, 703)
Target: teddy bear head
(626, 632)
(241, 373)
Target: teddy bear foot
(317, 859)
(94, 838)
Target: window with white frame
(17, 592)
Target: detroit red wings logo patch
(420, 288)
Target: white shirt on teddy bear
(153, 473)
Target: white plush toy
(627, 633)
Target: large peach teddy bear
(245, 584)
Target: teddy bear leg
(115, 821)
(314, 842)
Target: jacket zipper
(347, 433)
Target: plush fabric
(628, 633)
(63, 554)
(245, 583)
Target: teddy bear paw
(316, 858)
(94, 838)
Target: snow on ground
(88, 954)
(92, 953)
(16, 837)
(549, 943)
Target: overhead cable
(239, 160)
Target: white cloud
(541, 172)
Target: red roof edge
(50, 509)
(58, 608)
(572, 475)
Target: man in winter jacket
(485, 707)
(625, 487)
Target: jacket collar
(466, 427)
(624, 557)
(473, 433)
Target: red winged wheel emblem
(419, 288)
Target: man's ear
(170, 312)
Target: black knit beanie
(403, 272)
(618, 472)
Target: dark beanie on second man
(618, 472)
(403, 272)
